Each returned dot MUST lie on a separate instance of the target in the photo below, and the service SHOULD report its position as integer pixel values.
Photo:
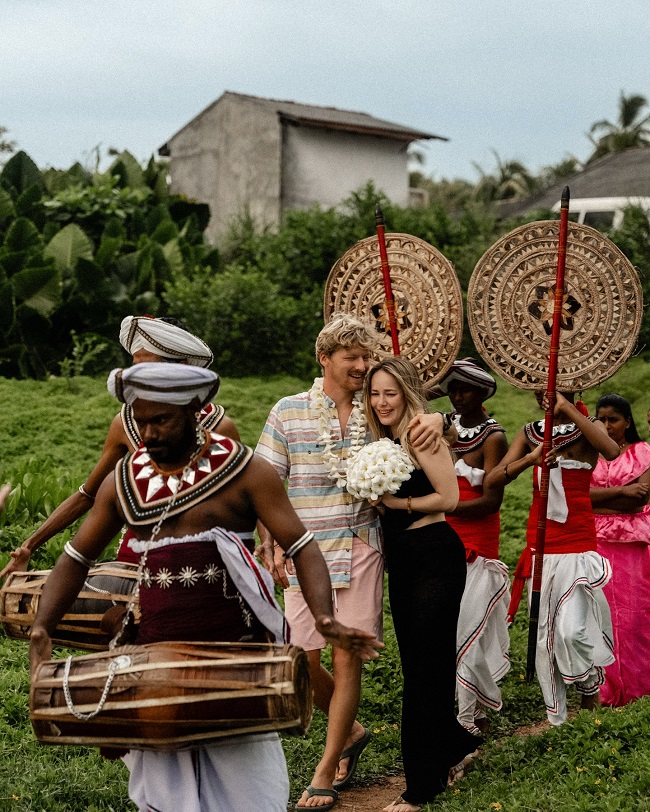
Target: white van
(602, 212)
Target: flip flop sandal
(353, 753)
(461, 769)
(400, 801)
(311, 791)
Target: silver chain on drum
(117, 662)
(123, 661)
(99, 591)
(92, 588)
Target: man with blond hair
(308, 438)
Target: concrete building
(244, 153)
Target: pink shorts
(360, 606)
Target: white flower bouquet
(378, 468)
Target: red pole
(385, 270)
(548, 437)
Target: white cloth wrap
(241, 773)
(557, 509)
(177, 384)
(164, 339)
(237, 774)
(482, 638)
(253, 582)
(574, 635)
(474, 476)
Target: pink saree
(624, 539)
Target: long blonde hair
(410, 386)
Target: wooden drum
(171, 696)
(91, 621)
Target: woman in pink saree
(619, 495)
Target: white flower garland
(337, 467)
(378, 468)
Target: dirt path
(375, 797)
(372, 798)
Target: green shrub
(250, 325)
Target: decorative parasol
(428, 302)
(510, 300)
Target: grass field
(52, 434)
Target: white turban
(164, 339)
(465, 371)
(178, 384)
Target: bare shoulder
(116, 438)
(493, 449)
(260, 470)
(583, 450)
(497, 440)
(227, 428)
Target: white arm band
(297, 546)
(75, 555)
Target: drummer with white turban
(144, 336)
(147, 339)
(187, 495)
(482, 634)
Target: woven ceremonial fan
(510, 306)
(428, 300)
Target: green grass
(52, 434)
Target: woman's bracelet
(408, 505)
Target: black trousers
(426, 578)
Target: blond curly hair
(345, 331)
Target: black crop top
(394, 520)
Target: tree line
(80, 249)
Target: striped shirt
(289, 442)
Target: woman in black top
(425, 560)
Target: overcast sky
(524, 79)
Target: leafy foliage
(633, 238)
(80, 252)
(6, 146)
(249, 324)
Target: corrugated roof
(330, 118)
(619, 174)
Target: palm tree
(554, 173)
(510, 181)
(628, 131)
(6, 146)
